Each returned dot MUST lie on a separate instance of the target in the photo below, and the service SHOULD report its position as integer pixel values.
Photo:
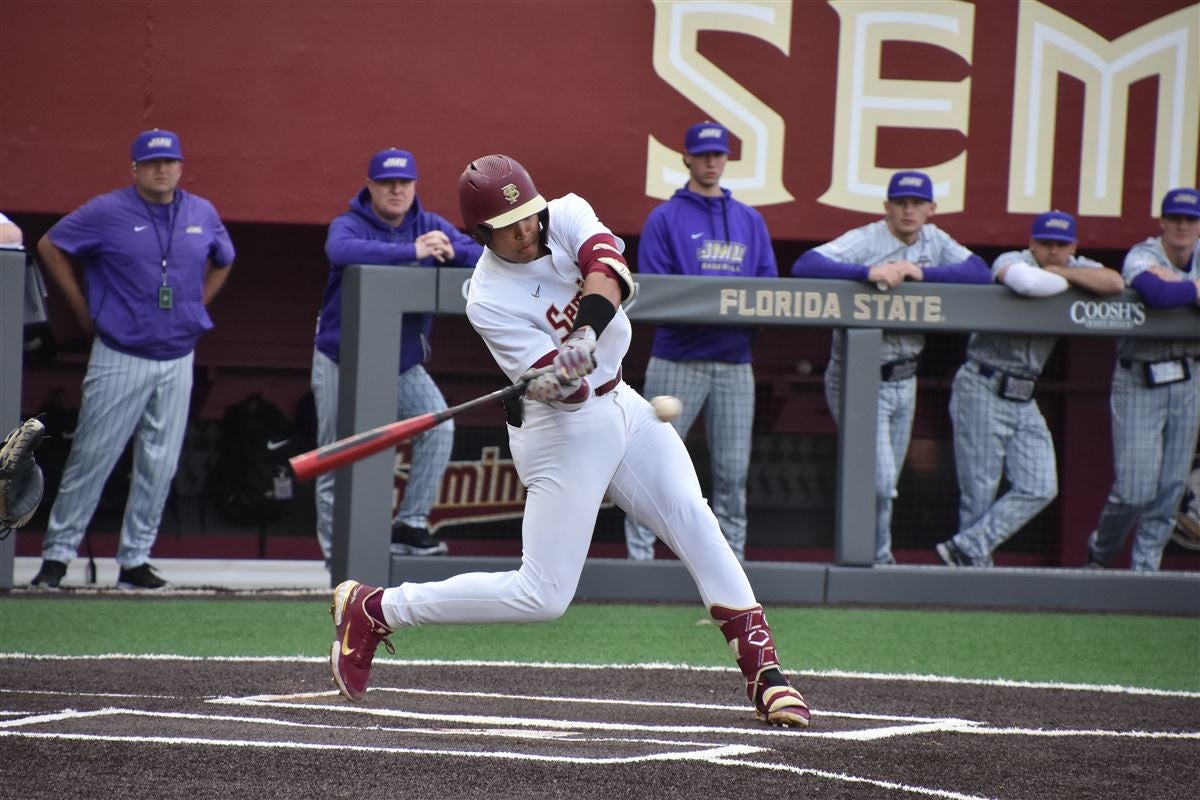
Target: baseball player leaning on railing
(998, 427)
(1155, 395)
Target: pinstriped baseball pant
(726, 393)
(993, 435)
(123, 395)
(897, 408)
(416, 393)
(1154, 432)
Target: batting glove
(546, 386)
(577, 355)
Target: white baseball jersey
(524, 311)
(875, 244)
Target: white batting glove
(547, 386)
(577, 355)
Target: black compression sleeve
(595, 310)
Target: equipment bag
(251, 481)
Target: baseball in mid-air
(667, 408)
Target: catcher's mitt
(20, 476)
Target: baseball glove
(20, 477)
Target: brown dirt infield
(175, 728)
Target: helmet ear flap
(482, 234)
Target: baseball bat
(338, 454)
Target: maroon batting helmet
(495, 191)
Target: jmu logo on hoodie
(718, 256)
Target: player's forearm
(58, 266)
(214, 279)
(1104, 282)
(9, 233)
(973, 270)
(1165, 294)
(816, 265)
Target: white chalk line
(1068, 733)
(549, 730)
(389, 663)
(713, 754)
(721, 754)
(547, 735)
(590, 701)
(118, 695)
(844, 778)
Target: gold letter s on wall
(757, 177)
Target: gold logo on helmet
(511, 193)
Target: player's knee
(1138, 497)
(542, 601)
(1043, 494)
(548, 605)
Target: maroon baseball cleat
(782, 705)
(357, 636)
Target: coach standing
(1155, 395)
(153, 257)
(703, 231)
(385, 224)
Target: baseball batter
(998, 427)
(1155, 396)
(902, 246)
(153, 256)
(547, 293)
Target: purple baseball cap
(706, 137)
(392, 164)
(1055, 226)
(1182, 201)
(910, 184)
(156, 144)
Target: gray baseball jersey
(876, 244)
(1154, 432)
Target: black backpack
(251, 481)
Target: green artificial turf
(1143, 651)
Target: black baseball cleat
(141, 577)
(50, 575)
(410, 541)
(953, 556)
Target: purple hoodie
(359, 236)
(718, 237)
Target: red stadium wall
(280, 104)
